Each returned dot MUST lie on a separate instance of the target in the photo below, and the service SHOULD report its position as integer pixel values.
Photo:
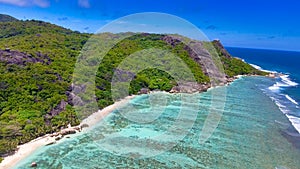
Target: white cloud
(84, 3)
(40, 3)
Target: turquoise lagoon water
(251, 134)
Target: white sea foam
(260, 68)
(282, 105)
(291, 99)
(295, 121)
(279, 104)
(255, 66)
(281, 167)
(287, 80)
(282, 108)
(277, 86)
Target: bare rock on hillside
(20, 58)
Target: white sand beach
(97, 116)
(26, 149)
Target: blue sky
(270, 24)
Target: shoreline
(28, 148)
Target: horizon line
(257, 48)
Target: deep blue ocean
(285, 91)
(256, 129)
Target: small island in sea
(38, 100)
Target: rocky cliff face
(72, 93)
(73, 100)
(205, 60)
(218, 45)
(7, 18)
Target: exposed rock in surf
(84, 126)
(67, 131)
(58, 137)
(33, 164)
(77, 128)
(144, 91)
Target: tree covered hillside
(29, 90)
(37, 61)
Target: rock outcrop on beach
(64, 132)
(144, 91)
(67, 131)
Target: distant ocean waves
(285, 102)
(284, 82)
(259, 68)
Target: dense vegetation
(234, 66)
(30, 91)
(149, 78)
